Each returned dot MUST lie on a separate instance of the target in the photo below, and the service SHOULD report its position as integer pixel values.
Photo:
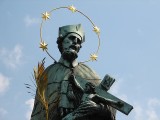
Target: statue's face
(71, 46)
(71, 42)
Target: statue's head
(69, 41)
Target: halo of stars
(46, 16)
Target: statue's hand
(87, 108)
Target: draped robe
(56, 74)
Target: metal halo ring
(46, 16)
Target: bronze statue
(65, 94)
(70, 90)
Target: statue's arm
(103, 100)
(90, 108)
(106, 109)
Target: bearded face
(71, 46)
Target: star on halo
(93, 57)
(96, 30)
(45, 16)
(43, 45)
(72, 8)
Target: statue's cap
(77, 29)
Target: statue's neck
(69, 64)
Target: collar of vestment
(68, 64)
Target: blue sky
(130, 45)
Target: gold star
(96, 30)
(45, 16)
(72, 8)
(43, 45)
(93, 57)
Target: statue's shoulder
(52, 67)
(56, 72)
(86, 68)
(85, 72)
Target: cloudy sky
(130, 45)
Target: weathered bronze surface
(74, 90)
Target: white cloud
(11, 58)
(3, 112)
(138, 112)
(152, 115)
(29, 21)
(153, 107)
(30, 104)
(153, 102)
(149, 112)
(4, 83)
